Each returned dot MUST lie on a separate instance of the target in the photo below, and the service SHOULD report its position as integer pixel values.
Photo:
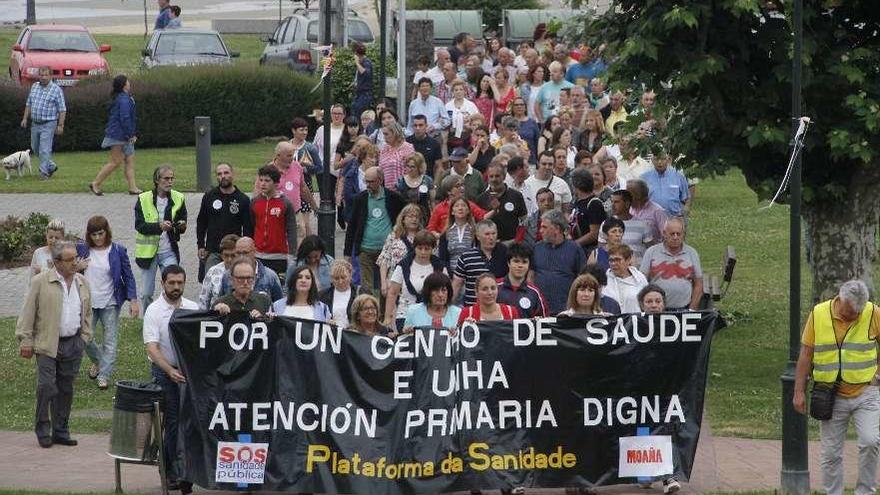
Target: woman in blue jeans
(111, 282)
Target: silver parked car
(179, 47)
(294, 40)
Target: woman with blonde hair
(393, 156)
(365, 316)
(592, 138)
(341, 295)
(414, 186)
(398, 244)
(42, 258)
(584, 297)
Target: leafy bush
(343, 73)
(34, 228)
(244, 102)
(18, 236)
(12, 241)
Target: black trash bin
(132, 437)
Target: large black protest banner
(293, 405)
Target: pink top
(486, 106)
(291, 184)
(391, 160)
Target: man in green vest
(158, 233)
(839, 344)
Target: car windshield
(357, 31)
(61, 41)
(190, 44)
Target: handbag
(822, 400)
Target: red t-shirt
(507, 312)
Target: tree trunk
(843, 235)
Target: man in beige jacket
(55, 324)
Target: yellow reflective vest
(855, 358)
(147, 245)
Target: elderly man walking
(47, 110)
(55, 324)
(675, 267)
(839, 348)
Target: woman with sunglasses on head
(111, 282)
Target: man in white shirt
(54, 325)
(544, 178)
(165, 370)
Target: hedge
(243, 101)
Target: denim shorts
(127, 147)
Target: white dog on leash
(17, 161)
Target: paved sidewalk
(723, 464)
(75, 210)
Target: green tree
(491, 8)
(724, 66)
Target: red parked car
(69, 50)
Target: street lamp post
(326, 212)
(795, 475)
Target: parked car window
(357, 31)
(190, 43)
(62, 41)
(279, 32)
(290, 35)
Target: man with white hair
(839, 349)
(675, 267)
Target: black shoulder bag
(822, 399)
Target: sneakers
(103, 384)
(93, 371)
(671, 485)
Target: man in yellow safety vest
(158, 233)
(839, 344)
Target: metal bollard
(203, 153)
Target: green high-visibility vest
(146, 246)
(855, 358)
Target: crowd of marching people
(511, 189)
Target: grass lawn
(125, 54)
(77, 169)
(748, 357)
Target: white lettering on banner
(464, 375)
(666, 328)
(632, 410)
(306, 416)
(467, 415)
(648, 456)
(239, 462)
(239, 335)
(533, 332)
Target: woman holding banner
(584, 297)
(487, 308)
(365, 316)
(302, 297)
(436, 310)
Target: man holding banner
(165, 369)
(839, 345)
